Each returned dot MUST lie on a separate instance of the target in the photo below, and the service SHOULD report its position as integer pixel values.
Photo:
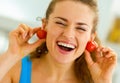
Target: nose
(69, 32)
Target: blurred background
(15, 12)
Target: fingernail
(31, 34)
(24, 36)
(98, 49)
(101, 54)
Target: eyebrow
(78, 23)
(62, 19)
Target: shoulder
(15, 72)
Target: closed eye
(60, 23)
(81, 28)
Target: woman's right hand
(18, 41)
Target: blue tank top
(26, 68)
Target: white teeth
(66, 45)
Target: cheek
(83, 39)
(52, 35)
(53, 31)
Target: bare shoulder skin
(13, 75)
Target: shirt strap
(26, 68)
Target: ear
(44, 23)
(93, 35)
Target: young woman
(62, 56)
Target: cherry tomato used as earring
(41, 34)
(91, 46)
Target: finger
(36, 44)
(113, 59)
(22, 32)
(31, 32)
(24, 28)
(34, 30)
(12, 36)
(13, 33)
(108, 52)
(99, 52)
(88, 58)
(37, 28)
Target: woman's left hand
(102, 69)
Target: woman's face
(68, 31)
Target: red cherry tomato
(41, 34)
(91, 46)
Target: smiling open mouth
(65, 46)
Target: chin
(64, 60)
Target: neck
(58, 71)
